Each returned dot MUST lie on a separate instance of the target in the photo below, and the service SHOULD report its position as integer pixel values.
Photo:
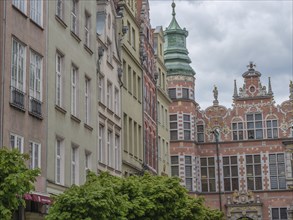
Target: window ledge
(88, 126)
(20, 11)
(38, 25)
(18, 107)
(75, 36)
(88, 49)
(117, 116)
(60, 109)
(102, 104)
(74, 118)
(110, 111)
(60, 20)
(36, 115)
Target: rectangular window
(109, 95)
(101, 93)
(129, 84)
(20, 4)
(237, 130)
(16, 142)
(74, 89)
(125, 128)
(172, 93)
(188, 173)
(129, 32)
(208, 174)
(185, 93)
(200, 133)
(35, 155)
(36, 12)
(74, 165)
(117, 153)
(134, 84)
(279, 214)
(87, 29)
(116, 102)
(109, 148)
(87, 100)
(60, 8)
(88, 160)
(124, 76)
(254, 126)
(59, 178)
(59, 80)
(254, 174)
(173, 127)
(133, 38)
(101, 147)
(174, 166)
(272, 128)
(139, 88)
(230, 168)
(74, 17)
(186, 127)
(277, 171)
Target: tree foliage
(15, 180)
(137, 197)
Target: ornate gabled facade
(239, 159)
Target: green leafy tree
(144, 197)
(15, 180)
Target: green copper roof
(176, 55)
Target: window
(18, 74)
(174, 166)
(59, 178)
(134, 84)
(133, 38)
(166, 118)
(109, 95)
(230, 168)
(88, 157)
(20, 4)
(208, 180)
(87, 100)
(272, 128)
(279, 214)
(60, 8)
(87, 28)
(117, 153)
(16, 142)
(237, 130)
(139, 88)
(129, 84)
(110, 52)
(125, 132)
(124, 74)
(74, 165)
(277, 171)
(253, 170)
(188, 173)
(35, 155)
(74, 85)
(74, 17)
(185, 93)
(116, 102)
(172, 93)
(109, 148)
(254, 126)
(129, 32)
(59, 72)
(101, 146)
(164, 82)
(35, 86)
(200, 133)
(101, 94)
(186, 127)
(36, 13)
(173, 127)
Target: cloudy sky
(225, 35)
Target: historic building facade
(163, 102)
(239, 159)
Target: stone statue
(215, 91)
(235, 196)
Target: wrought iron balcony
(17, 98)
(35, 107)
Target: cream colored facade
(109, 89)
(162, 106)
(72, 84)
(132, 112)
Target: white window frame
(101, 146)
(17, 142)
(109, 95)
(36, 75)
(74, 165)
(109, 148)
(74, 16)
(117, 153)
(20, 4)
(74, 89)
(35, 155)
(101, 86)
(59, 79)
(36, 11)
(59, 171)
(87, 28)
(18, 65)
(87, 99)
(116, 101)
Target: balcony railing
(35, 107)
(17, 98)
